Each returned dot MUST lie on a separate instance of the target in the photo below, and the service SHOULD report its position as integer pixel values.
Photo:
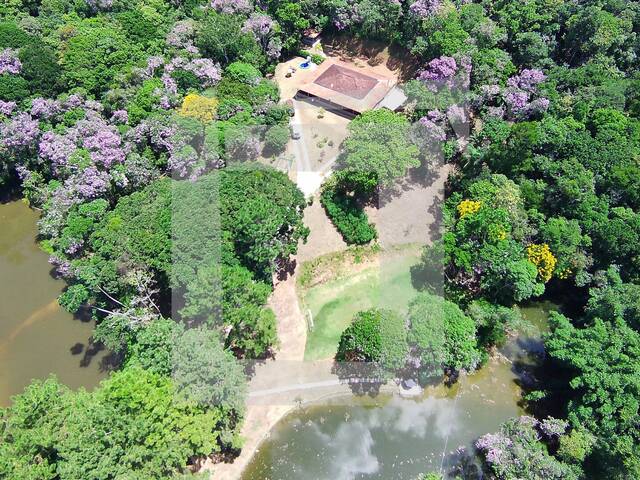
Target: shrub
(243, 72)
(40, 68)
(377, 336)
(13, 88)
(145, 100)
(228, 88)
(186, 80)
(315, 58)
(11, 36)
(346, 213)
(277, 114)
(232, 106)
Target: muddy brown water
(37, 337)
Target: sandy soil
(261, 417)
(323, 239)
(410, 213)
(377, 56)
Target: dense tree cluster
(130, 124)
(51, 432)
(436, 336)
(133, 126)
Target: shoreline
(289, 368)
(273, 414)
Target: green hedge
(346, 214)
(315, 58)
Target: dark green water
(37, 337)
(397, 438)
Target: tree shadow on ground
(363, 378)
(422, 177)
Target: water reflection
(394, 438)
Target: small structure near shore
(409, 388)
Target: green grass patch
(333, 303)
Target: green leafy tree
(31, 431)
(442, 35)
(243, 72)
(603, 363)
(154, 345)
(593, 31)
(40, 68)
(151, 431)
(134, 425)
(262, 210)
(220, 38)
(375, 336)
(206, 373)
(276, 139)
(613, 298)
(292, 21)
(343, 197)
(569, 245)
(378, 142)
(94, 55)
(441, 336)
(13, 88)
(494, 322)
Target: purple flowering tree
(186, 163)
(439, 69)
(521, 96)
(9, 62)
(208, 72)
(45, 108)
(105, 146)
(56, 149)
(446, 73)
(425, 8)
(120, 117)
(262, 27)
(7, 108)
(88, 183)
(346, 15)
(517, 451)
(20, 132)
(231, 7)
(182, 34)
(528, 80)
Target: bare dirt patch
(375, 55)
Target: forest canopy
(143, 132)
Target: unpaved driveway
(289, 368)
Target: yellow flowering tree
(468, 207)
(199, 107)
(542, 257)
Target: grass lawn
(386, 284)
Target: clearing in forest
(335, 287)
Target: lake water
(37, 337)
(393, 438)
